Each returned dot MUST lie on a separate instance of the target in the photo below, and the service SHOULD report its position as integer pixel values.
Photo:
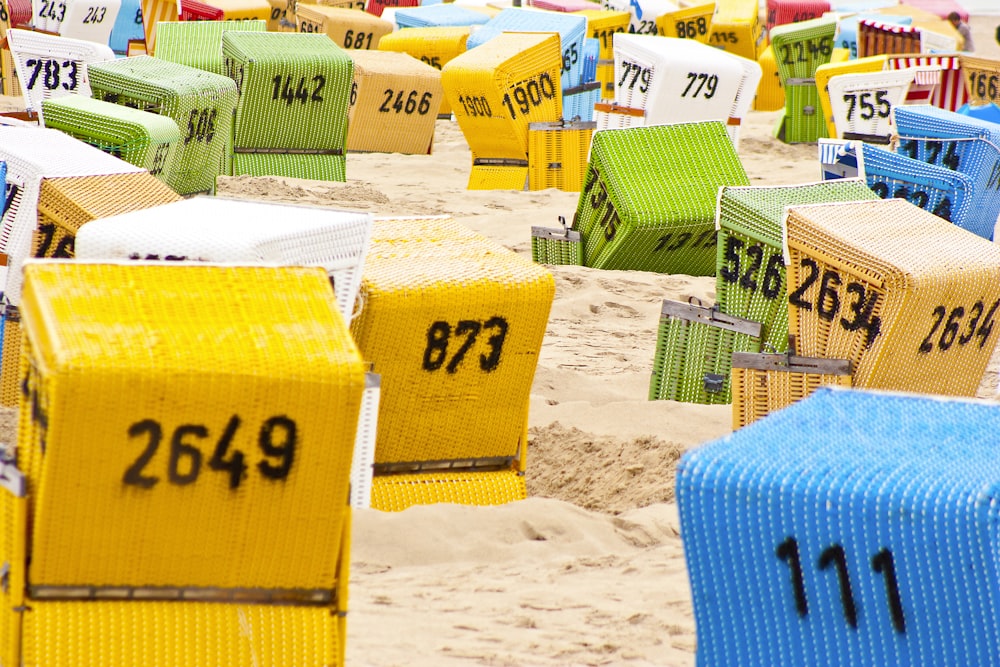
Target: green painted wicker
(694, 353)
(199, 43)
(201, 103)
(144, 139)
(799, 48)
(294, 94)
(750, 281)
(316, 167)
(556, 245)
(649, 196)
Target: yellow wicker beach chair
(688, 23)
(603, 25)
(496, 91)
(764, 383)
(395, 100)
(453, 323)
(770, 94)
(434, 46)
(242, 10)
(557, 154)
(348, 28)
(736, 28)
(982, 79)
(158, 530)
(910, 299)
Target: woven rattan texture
(13, 513)
(561, 252)
(799, 49)
(687, 352)
(258, 414)
(66, 204)
(394, 493)
(770, 94)
(847, 501)
(757, 393)
(919, 128)
(348, 28)
(862, 103)
(242, 10)
(495, 92)
(736, 27)
(453, 322)
(198, 44)
(557, 155)
(396, 99)
(438, 16)
(649, 196)
(570, 27)
(945, 193)
(179, 634)
(201, 103)
(128, 26)
(750, 277)
(144, 139)
(294, 96)
(10, 382)
(907, 297)
(434, 46)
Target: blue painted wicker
(579, 102)
(438, 16)
(571, 28)
(850, 528)
(975, 152)
(128, 25)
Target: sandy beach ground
(590, 569)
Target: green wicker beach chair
(291, 119)
(649, 196)
(141, 138)
(800, 48)
(750, 281)
(560, 246)
(199, 43)
(694, 352)
(201, 103)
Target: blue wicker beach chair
(850, 528)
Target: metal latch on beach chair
(787, 362)
(807, 110)
(560, 246)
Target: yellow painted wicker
(736, 28)
(496, 90)
(825, 72)
(764, 383)
(154, 11)
(557, 155)
(348, 28)
(434, 46)
(395, 100)
(8, 72)
(910, 299)
(770, 94)
(216, 497)
(982, 79)
(64, 205)
(282, 16)
(688, 23)
(242, 10)
(10, 390)
(453, 323)
(602, 24)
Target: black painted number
(835, 557)
(46, 234)
(358, 40)
(95, 14)
(50, 73)
(529, 94)
(285, 89)
(707, 81)
(570, 58)
(444, 340)
(859, 315)
(639, 74)
(691, 29)
(433, 61)
(984, 84)
(201, 126)
(159, 159)
(670, 242)
(475, 105)
(802, 51)
(53, 10)
(749, 277)
(412, 102)
(606, 36)
(598, 192)
(950, 322)
(881, 106)
(276, 439)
